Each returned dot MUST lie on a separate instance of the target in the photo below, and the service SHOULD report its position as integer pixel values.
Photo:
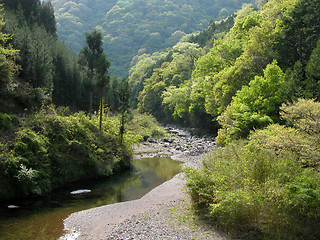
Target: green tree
(124, 96)
(254, 106)
(313, 73)
(301, 139)
(34, 12)
(7, 55)
(95, 64)
(299, 33)
(67, 81)
(36, 52)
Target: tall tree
(7, 54)
(95, 63)
(124, 96)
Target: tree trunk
(90, 103)
(101, 113)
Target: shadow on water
(43, 219)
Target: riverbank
(163, 213)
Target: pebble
(160, 223)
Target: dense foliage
(134, 27)
(50, 149)
(41, 147)
(237, 73)
(53, 147)
(250, 74)
(254, 74)
(48, 70)
(268, 188)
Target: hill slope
(132, 26)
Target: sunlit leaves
(302, 139)
(255, 105)
(7, 54)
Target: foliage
(299, 32)
(33, 12)
(268, 187)
(7, 54)
(174, 71)
(51, 149)
(95, 64)
(257, 193)
(130, 27)
(254, 106)
(8, 121)
(312, 72)
(302, 139)
(49, 71)
(144, 126)
(225, 83)
(46, 65)
(124, 97)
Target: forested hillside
(45, 142)
(132, 28)
(237, 73)
(254, 79)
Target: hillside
(241, 75)
(134, 27)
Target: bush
(145, 125)
(269, 195)
(50, 150)
(8, 121)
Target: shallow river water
(43, 219)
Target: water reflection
(42, 219)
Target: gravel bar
(154, 216)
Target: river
(43, 218)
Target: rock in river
(80, 191)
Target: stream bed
(43, 218)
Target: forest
(48, 139)
(249, 77)
(253, 79)
(131, 28)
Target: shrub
(266, 194)
(145, 125)
(8, 121)
(50, 150)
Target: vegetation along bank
(251, 78)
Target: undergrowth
(267, 187)
(253, 191)
(52, 148)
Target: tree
(302, 139)
(36, 48)
(300, 32)
(34, 12)
(7, 54)
(67, 85)
(95, 64)
(313, 72)
(124, 96)
(254, 106)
